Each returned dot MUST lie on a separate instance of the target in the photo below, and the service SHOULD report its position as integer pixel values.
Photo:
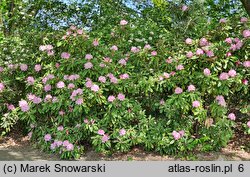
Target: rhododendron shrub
(132, 86)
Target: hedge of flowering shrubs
(130, 86)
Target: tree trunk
(246, 4)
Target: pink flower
(166, 75)
(61, 112)
(79, 101)
(244, 81)
(123, 22)
(50, 52)
(228, 54)
(88, 56)
(114, 80)
(223, 76)
(178, 90)
(199, 52)
(65, 143)
(70, 147)
(169, 60)
(184, 8)
(189, 54)
(95, 42)
(179, 67)
(221, 100)
(30, 80)
(23, 67)
(154, 53)
(196, 104)
(231, 116)
(147, 47)
(37, 100)
(88, 65)
(1, 87)
(203, 42)
(191, 88)
(107, 60)
(24, 105)
(111, 98)
(228, 40)
(210, 53)
(1, 69)
(89, 84)
(232, 73)
(206, 72)
(105, 138)
(47, 88)
(239, 45)
(188, 41)
(102, 79)
(162, 102)
(246, 64)
(94, 88)
(223, 20)
(182, 133)
(134, 49)
(122, 62)
(60, 84)
(31, 96)
(246, 33)
(60, 128)
(11, 107)
(38, 67)
(114, 48)
(176, 135)
(65, 55)
(243, 19)
(233, 47)
(53, 146)
(48, 98)
(47, 137)
(248, 124)
(79, 31)
(101, 132)
(124, 76)
(121, 97)
(57, 65)
(42, 48)
(122, 132)
(71, 86)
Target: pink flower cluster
(178, 135)
(120, 97)
(73, 31)
(196, 104)
(123, 22)
(71, 77)
(225, 76)
(1, 87)
(221, 101)
(65, 55)
(122, 132)
(75, 93)
(235, 44)
(30, 80)
(47, 48)
(24, 105)
(178, 90)
(23, 67)
(231, 116)
(124, 76)
(105, 137)
(135, 49)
